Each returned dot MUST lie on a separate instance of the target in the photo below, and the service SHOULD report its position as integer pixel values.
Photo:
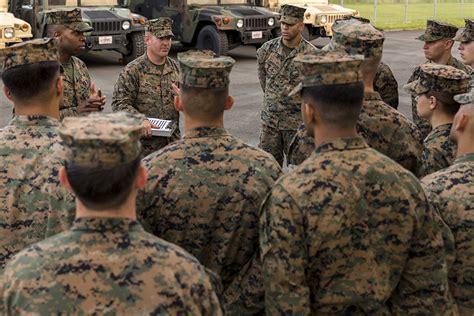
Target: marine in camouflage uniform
(204, 192)
(145, 87)
(106, 265)
(386, 85)
(349, 231)
(33, 204)
(452, 191)
(438, 150)
(281, 114)
(76, 78)
(383, 128)
(435, 31)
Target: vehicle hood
(315, 8)
(239, 11)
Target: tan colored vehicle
(12, 30)
(319, 15)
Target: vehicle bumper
(117, 42)
(253, 37)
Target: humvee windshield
(215, 2)
(83, 3)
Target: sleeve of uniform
(423, 287)
(284, 255)
(429, 162)
(261, 56)
(386, 84)
(125, 91)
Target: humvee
(12, 30)
(115, 28)
(217, 25)
(319, 16)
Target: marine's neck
(191, 123)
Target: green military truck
(319, 16)
(12, 29)
(217, 25)
(115, 27)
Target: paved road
(402, 53)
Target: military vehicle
(12, 30)
(115, 28)
(319, 16)
(217, 25)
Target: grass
(392, 15)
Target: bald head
(462, 131)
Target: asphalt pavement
(401, 52)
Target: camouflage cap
(436, 30)
(70, 19)
(467, 35)
(30, 52)
(440, 78)
(358, 37)
(291, 14)
(102, 140)
(160, 27)
(201, 70)
(465, 98)
(327, 68)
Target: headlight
(324, 19)
(125, 25)
(9, 32)
(24, 27)
(240, 23)
(271, 21)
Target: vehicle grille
(255, 23)
(333, 17)
(106, 27)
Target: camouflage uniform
(143, 87)
(435, 30)
(33, 204)
(452, 190)
(76, 79)
(386, 85)
(331, 246)
(384, 128)
(281, 114)
(439, 151)
(106, 265)
(204, 193)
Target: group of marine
(374, 217)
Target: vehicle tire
(306, 34)
(211, 38)
(137, 43)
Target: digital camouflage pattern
(326, 68)
(281, 113)
(439, 151)
(76, 83)
(423, 124)
(107, 266)
(200, 70)
(467, 35)
(436, 30)
(452, 191)
(291, 14)
(203, 194)
(30, 52)
(33, 203)
(314, 220)
(384, 129)
(358, 38)
(466, 98)
(386, 85)
(102, 140)
(440, 78)
(143, 87)
(71, 19)
(160, 27)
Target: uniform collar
(343, 143)
(296, 50)
(155, 69)
(33, 120)
(465, 158)
(442, 128)
(206, 132)
(105, 224)
(372, 96)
